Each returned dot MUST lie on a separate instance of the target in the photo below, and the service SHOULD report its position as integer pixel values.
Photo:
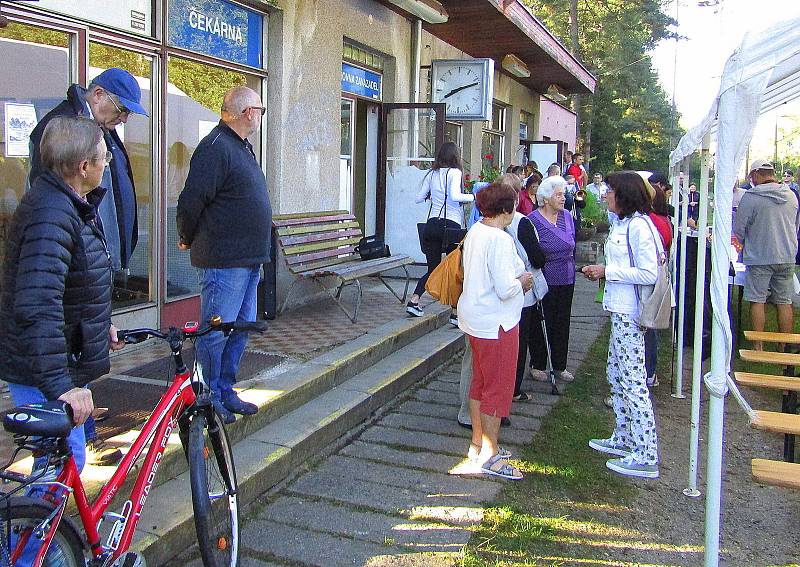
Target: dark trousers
(433, 248)
(650, 351)
(557, 305)
(528, 319)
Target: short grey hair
(548, 186)
(67, 141)
(239, 98)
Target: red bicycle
(36, 530)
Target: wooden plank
(315, 246)
(783, 358)
(313, 214)
(311, 268)
(312, 220)
(776, 473)
(332, 253)
(788, 338)
(288, 231)
(376, 266)
(776, 422)
(768, 381)
(302, 239)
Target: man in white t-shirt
(598, 187)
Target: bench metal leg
(405, 291)
(336, 296)
(288, 295)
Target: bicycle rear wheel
(214, 491)
(21, 540)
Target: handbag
(540, 287)
(450, 237)
(446, 281)
(655, 301)
(371, 247)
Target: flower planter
(602, 227)
(584, 233)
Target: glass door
(346, 155)
(410, 135)
(37, 65)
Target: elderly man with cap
(109, 100)
(767, 224)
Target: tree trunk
(587, 135)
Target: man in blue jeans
(224, 218)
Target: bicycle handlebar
(190, 330)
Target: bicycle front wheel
(215, 498)
(22, 538)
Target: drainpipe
(416, 57)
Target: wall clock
(466, 86)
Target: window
(194, 98)
(493, 138)
(346, 155)
(525, 125)
(355, 54)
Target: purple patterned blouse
(558, 245)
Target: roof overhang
(496, 28)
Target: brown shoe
(101, 455)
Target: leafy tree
(628, 122)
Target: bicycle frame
(157, 429)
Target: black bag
(371, 247)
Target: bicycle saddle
(47, 419)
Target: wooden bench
(770, 337)
(776, 422)
(770, 381)
(776, 473)
(322, 245)
(782, 358)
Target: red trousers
(494, 368)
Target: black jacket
(74, 106)
(55, 303)
(223, 211)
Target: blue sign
(361, 82)
(217, 28)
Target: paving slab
(451, 376)
(368, 526)
(443, 386)
(416, 459)
(278, 541)
(416, 440)
(520, 433)
(376, 497)
(436, 397)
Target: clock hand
(459, 89)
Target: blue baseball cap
(121, 83)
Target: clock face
(464, 86)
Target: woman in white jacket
(631, 256)
(442, 186)
(495, 282)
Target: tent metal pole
(673, 261)
(716, 410)
(699, 312)
(677, 383)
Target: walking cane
(550, 371)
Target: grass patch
(567, 496)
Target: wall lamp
(515, 66)
(555, 94)
(430, 11)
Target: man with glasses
(224, 218)
(109, 100)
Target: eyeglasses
(106, 158)
(121, 109)
(262, 109)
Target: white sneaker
(566, 376)
(608, 446)
(414, 309)
(652, 381)
(628, 467)
(539, 375)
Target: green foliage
(593, 211)
(631, 123)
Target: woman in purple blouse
(557, 240)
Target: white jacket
(492, 296)
(621, 278)
(441, 184)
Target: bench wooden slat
(776, 422)
(768, 381)
(307, 229)
(356, 268)
(301, 249)
(311, 268)
(776, 473)
(302, 239)
(319, 255)
(303, 218)
(782, 358)
(770, 337)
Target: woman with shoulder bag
(631, 254)
(442, 186)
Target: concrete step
(281, 394)
(266, 456)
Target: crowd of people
(519, 282)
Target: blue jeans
(231, 294)
(650, 352)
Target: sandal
(473, 454)
(522, 397)
(505, 470)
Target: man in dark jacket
(224, 217)
(110, 99)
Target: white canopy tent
(763, 73)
